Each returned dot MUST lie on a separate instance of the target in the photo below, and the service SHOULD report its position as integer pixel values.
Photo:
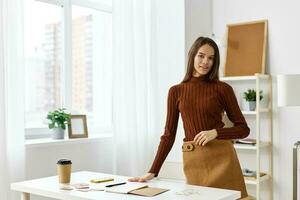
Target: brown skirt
(213, 165)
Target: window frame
(66, 75)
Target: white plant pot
(58, 133)
(252, 105)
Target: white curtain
(133, 96)
(12, 151)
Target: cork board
(246, 48)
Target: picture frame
(246, 48)
(77, 126)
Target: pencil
(101, 180)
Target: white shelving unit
(252, 147)
(265, 112)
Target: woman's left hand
(205, 136)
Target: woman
(209, 158)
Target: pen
(115, 184)
(101, 180)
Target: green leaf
(250, 95)
(58, 118)
(51, 126)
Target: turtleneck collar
(197, 79)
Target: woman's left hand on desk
(144, 178)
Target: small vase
(252, 105)
(58, 133)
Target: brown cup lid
(64, 162)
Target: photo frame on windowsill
(77, 127)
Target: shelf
(262, 110)
(246, 112)
(261, 123)
(254, 182)
(250, 146)
(244, 78)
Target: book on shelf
(251, 174)
(253, 178)
(246, 141)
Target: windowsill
(51, 142)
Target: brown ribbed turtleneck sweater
(201, 105)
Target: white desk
(49, 187)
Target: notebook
(126, 188)
(148, 191)
(246, 141)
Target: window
(68, 60)
(43, 61)
(91, 58)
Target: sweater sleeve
(168, 137)
(240, 128)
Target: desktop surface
(49, 187)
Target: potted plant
(250, 97)
(58, 120)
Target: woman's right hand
(146, 177)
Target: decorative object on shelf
(251, 174)
(248, 172)
(57, 121)
(246, 141)
(78, 126)
(250, 97)
(288, 95)
(246, 48)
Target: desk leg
(25, 196)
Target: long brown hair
(213, 74)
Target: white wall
(198, 21)
(282, 58)
(89, 156)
